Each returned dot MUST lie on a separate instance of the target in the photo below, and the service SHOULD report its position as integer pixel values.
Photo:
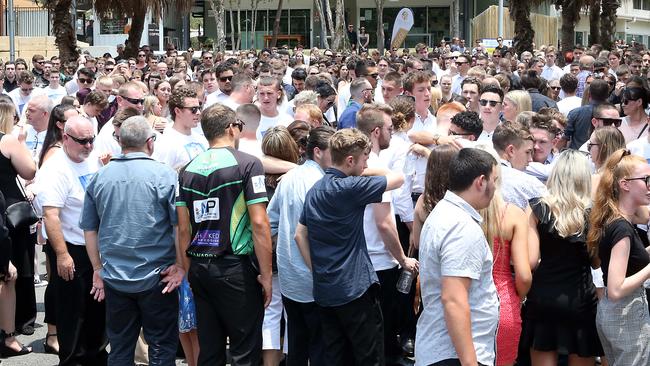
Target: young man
(461, 308)
(466, 126)
(331, 240)
(361, 93)
(569, 84)
(304, 328)
(54, 90)
(269, 95)
(391, 86)
(11, 81)
(471, 89)
(24, 93)
(550, 70)
(219, 190)
(224, 75)
(490, 106)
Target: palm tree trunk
(238, 45)
(594, 20)
(608, 23)
(570, 16)
(65, 35)
(340, 36)
(380, 26)
(323, 25)
(330, 22)
(276, 24)
(232, 27)
(524, 33)
(135, 33)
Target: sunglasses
(85, 81)
(143, 55)
(610, 121)
(40, 62)
(195, 109)
(556, 87)
(109, 69)
(434, 82)
(626, 101)
(134, 101)
(646, 179)
(374, 76)
(82, 142)
(225, 78)
(485, 102)
(239, 124)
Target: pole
(12, 29)
(500, 24)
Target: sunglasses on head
(485, 102)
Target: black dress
(560, 312)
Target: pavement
(38, 357)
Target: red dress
(509, 328)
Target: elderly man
(64, 177)
(135, 268)
(37, 115)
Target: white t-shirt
(105, 142)
(214, 97)
(640, 147)
(21, 101)
(417, 165)
(55, 94)
(568, 104)
(379, 255)
(33, 140)
(63, 184)
(635, 133)
(252, 147)
(177, 149)
(269, 122)
(228, 102)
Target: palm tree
(570, 17)
(380, 25)
(340, 41)
(608, 22)
(594, 20)
(65, 35)
(137, 11)
(524, 33)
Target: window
(113, 25)
(429, 27)
(641, 4)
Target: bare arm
(303, 243)
(64, 262)
(418, 221)
(183, 235)
(274, 165)
(385, 222)
(519, 251)
(533, 240)
(619, 286)
(20, 157)
(455, 301)
(263, 248)
(93, 254)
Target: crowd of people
(448, 205)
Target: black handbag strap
(22, 191)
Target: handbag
(21, 214)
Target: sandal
(49, 349)
(7, 351)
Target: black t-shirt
(617, 230)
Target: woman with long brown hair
(622, 320)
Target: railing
(30, 22)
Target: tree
(608, 23)
(254, 5)
(524, 32)
(340, 41)
(137, 11)
(380, 25)
(570, 17)
(330, 22)
(276, 24)
(323, 25)
(65, 36)
(218, 11)
(594, 21)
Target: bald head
(587, 63)
(78, 138)
(490, 81)
(76, 124)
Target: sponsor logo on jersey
(206, 210)
(209, 238)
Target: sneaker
(38, 282)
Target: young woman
(622, 321)
(163, 90)
(153, 113)
(560, 312)
(635, 123)
(601, 145)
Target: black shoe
(49, 349)
(408, 346)
(6, 351)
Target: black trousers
(229, 304)
(389, 301)
(23, 246)
(353, 333)
(153, 312)
(305, 333)
(81, 321)
(450, 362)
(50, 291)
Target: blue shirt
(131, 204)
(333, 214)
(348, 118)
(579, 125)
(284, 211)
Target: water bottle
(405, 281)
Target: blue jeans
(156, 313)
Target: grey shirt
(453, 245)
(131, 204)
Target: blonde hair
(150, 102)
(491, 224)
(315, 114)
(436, 94)
(605, 210)
(348, 142)
(569, 193)
(521, 99)
(610, 139)
(7, 115)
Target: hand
(266, 283)
(65, 266)
(105, 158)
(22, 134)
(98, 286)
(420, 150)
(411, 264)
(172, 276)
(450, 140)
(13, 273)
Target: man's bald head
(587, 63)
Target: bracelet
(436, 138)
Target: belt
(226, 258)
